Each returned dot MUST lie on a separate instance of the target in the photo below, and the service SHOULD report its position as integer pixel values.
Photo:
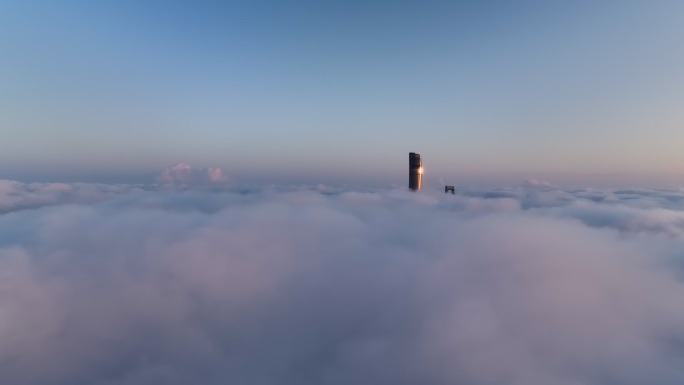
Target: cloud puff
(297, 286)
(530, 183)
(183, 173)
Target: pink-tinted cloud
(375, 287)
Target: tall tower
(415, 171)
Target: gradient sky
(322, 90)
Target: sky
(324, 91)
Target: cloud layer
(321, 286)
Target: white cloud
(294, 286)
(183, 173)
(529, 183)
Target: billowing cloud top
(530, 182)
(183, 173)
(117, 285)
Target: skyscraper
(415, 171)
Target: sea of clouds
(195, 284)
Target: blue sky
(310, 91)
